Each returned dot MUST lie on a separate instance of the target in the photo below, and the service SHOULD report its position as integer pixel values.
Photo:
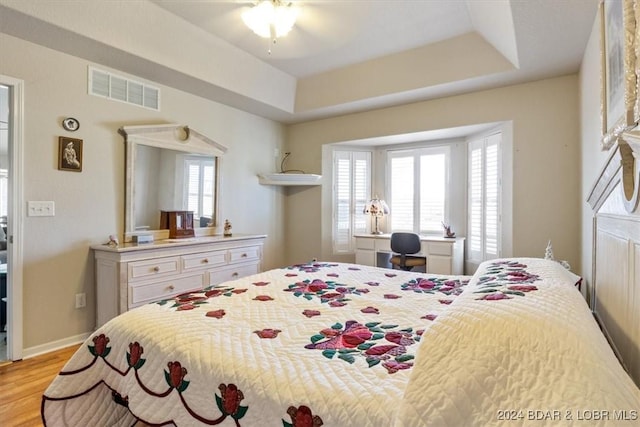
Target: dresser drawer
(204, 260)
(158, 267)
(153, 291)
(244, 254)
(436, 248)
(218, 276)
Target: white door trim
(15, 223)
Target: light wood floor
(22, 385)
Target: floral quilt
(527, 352)
(307, 345)
(327, 344)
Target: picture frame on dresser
(619, 82)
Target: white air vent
(112, 86)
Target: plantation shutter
(207, 189)
(474, 228)
(492, 197)
(193, 186)
(199, 181)
(483, 230)
(351, 191)
(361, 190)
(433, 186)
(418, 186)
(402, 192)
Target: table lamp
(377, 209)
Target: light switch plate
(41, 208)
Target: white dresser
(132, 275)
(443, 255)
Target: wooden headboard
(615, 298)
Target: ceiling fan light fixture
(271, 18)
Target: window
(199, 178)
(351, 191)
(418, 187)
(483, 231)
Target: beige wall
(545, 160)
(90, 205)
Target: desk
(443, 255)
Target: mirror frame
(174, 137)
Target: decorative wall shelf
(289, 179)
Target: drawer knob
(244, 255)
(234, 275)
(171, 287)
(156, 268)
(205, 261)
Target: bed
(339, 344)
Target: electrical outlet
(81, 300)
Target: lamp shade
(376, 207)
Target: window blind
(484, 188)
(199, 173)
(418, 187)
(351, 191)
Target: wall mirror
(169, 168)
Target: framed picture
(69, 154)
(619, 94)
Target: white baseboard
(54, 345)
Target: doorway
(11, 166)
(4, 205)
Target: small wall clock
(71, 124)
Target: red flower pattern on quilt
(312, 267)
(99, 347)
(504, 279)
(329, 292)
(302, 417)
(375, 342)
(267, 333)
(192, 300)
(175, 376)
(431, 285)
(311, 313)
(218, 314)
(134, 356)
(229, 402)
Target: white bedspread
(322, 343)
(352, 346)
(533, 360)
